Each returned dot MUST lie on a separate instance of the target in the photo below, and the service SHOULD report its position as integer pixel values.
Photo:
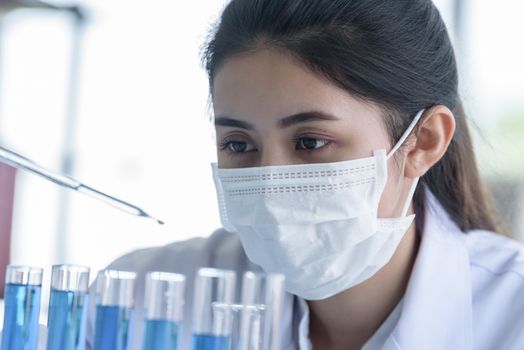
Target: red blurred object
(7, 191)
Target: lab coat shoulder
(159, 258)
(497, 271)
(495, 253)
(220, 250)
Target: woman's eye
(310, 143)
(237, 146)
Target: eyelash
(224, 145)
(297, 140)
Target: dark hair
(396, 53)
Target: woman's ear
(431, 140)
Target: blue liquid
(22, 309)
(160, 335)
(113, 328)
(211, 342)
(67, 321)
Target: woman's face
(271, 110)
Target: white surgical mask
(315, 223)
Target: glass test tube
(68, 308)
(163, 310)
(23, 287)
(260, 313)
(212, 313)
(114, 310)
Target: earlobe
(431, 140)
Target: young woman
(345, 163)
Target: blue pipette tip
(160, 222)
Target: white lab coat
(466, 291)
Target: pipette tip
(145, 215)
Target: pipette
(16, 160)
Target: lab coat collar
(437, 306)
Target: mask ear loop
(400, 142)
(409, 197)
(406, 133)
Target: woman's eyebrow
(303, 117)
(233, 123)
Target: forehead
(271, 84)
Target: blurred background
(113, 93)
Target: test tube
(23, 287)
(114, 310)
(68, 307)
(163, 310)
(212, 313)
(261, 312)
